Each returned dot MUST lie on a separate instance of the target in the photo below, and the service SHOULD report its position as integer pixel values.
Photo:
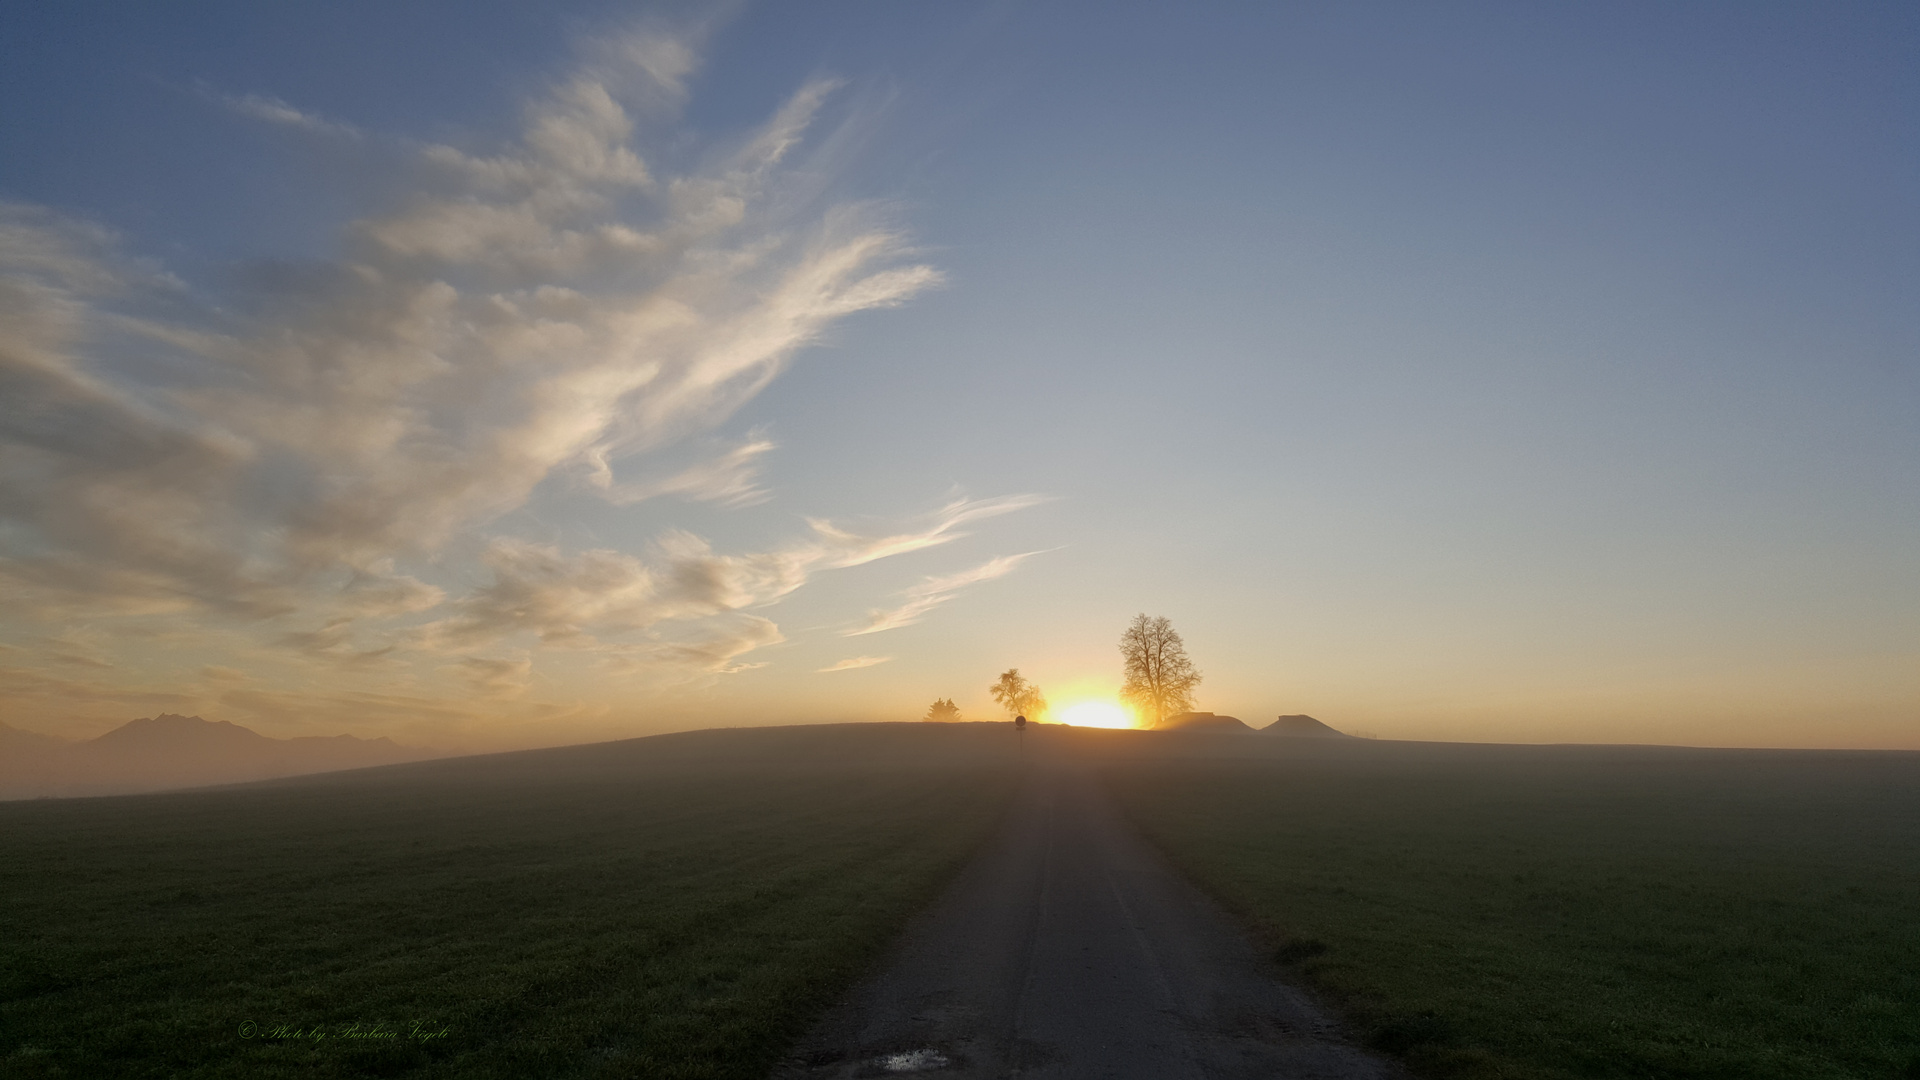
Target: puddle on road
(914, 1061)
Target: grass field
(1550, 912)
(671, 907)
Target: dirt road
(1070, 949)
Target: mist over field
(712, 903)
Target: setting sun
(1096, 714)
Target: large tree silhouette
(1159, 677)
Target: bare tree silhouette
(1159, 677)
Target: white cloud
(274, 111)
(376, 590)
(579, 599)
(519, 315)
(712, 654)
(556, 306)
(495, 677)
(854, 663)
(840, 547)
(335, 642)
(730, 478)
(536, 588)
(106, 492)
(934, 591)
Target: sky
(490, 375)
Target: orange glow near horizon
(1095, 714)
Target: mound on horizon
(1202, 721)
(1300, 725)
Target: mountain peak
(173, 751)
(174, 728)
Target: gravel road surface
(1070, 949)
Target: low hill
(1301, 725)
(170, 751)
(1202, 721)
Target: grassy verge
(676, 910)
(1576, 912)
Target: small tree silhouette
(1018, 696)
(942, 712)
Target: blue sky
(1497, 372)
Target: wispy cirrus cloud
(934, 591)
(274, 111)
(730, 478)
(854, 664)
(715, 653)
(582, 597)
(495, 676)
(315, 481)
(555, 304)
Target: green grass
(675, 907)
(1575, 912)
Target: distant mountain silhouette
(170, 733)
(1300, 725)
(16, 742)
(170, 751)
(11, 737)
(1202, 721)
